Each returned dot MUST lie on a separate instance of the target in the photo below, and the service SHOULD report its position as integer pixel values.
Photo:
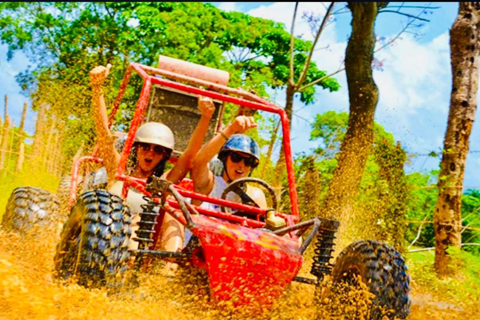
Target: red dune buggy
(248, 260)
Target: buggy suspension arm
(157, 185)
(302, 226)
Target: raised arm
(185, 161)
(105, 139)
(201, 175)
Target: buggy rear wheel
(94, 241)
(382, 270)
(32, 209)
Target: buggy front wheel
(384, 273)
(94, 242)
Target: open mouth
(148, 161)
(239, 172)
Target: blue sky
(414, 85)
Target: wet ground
(27, 291)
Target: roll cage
(166, 77)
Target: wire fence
(45, 151)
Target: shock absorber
(324, 244)
(146, 225)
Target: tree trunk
(24, 115)
(363, 96)
(464, 50)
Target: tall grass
(461, 289)
(31, 175)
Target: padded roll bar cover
(193, 70)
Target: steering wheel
(238, 187)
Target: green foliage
(421, 205)
(380, 210)
(66, 40)
(471, 220)
(329, 129)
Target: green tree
(421, 204)
(380, 208)
(363, 96)
(471, 221)
(65, 40)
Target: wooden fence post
(58, 156)
(48, 149)
(4, 145)
(21, 136)
(6, 107)
(9, 148)
(39, 125)
(53, 161)
(24, 115)
(21, 158)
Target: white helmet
(155, 133)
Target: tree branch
(251, 58)
(414, 7)
(303, 75)
(405, 14)
(341, 11)
(320, 79)
(108, 11)
(291, 80)
(419, 231)
(398, 35)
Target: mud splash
(27, 291)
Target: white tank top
(219, 185)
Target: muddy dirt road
(28, 292)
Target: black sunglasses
(159, 150)
(249, 161)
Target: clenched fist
(206, 106)
(241, 124)
(99, 74)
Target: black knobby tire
(94, 241)
(383, 270)
(30, 209)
